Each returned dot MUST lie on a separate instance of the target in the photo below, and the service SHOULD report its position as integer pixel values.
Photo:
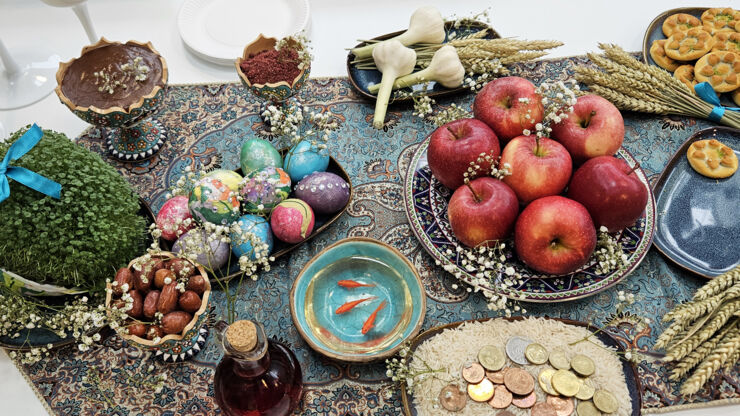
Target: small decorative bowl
(175, 347)
(129, 135)
(275, 92)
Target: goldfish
(370, 323)
(351, 284)
(349, 305)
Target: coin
(605, 401)
(559, 360)
(501, 398)
(519, 381)
(582, 365)
(536, 353)
(525, 402)
(515, 347)
(565, 383)
(563, 406)
(473, 373)
(585, 392)
(497, 377)
(491, 357)
(452, 398)
(545, 379)
(481, 392)
(543, 409)
(587, 409)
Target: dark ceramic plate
(630, 372)
(361, 79)
(698, 224)
(39, 337)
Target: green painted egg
(257, 154)
(212, 201)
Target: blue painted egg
(211, 254)
(257, 154)
(304, 159)
(212, 201)
(267, 187)
(325, 192)
(252, 230)
(228, 177)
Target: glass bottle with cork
(256, 376)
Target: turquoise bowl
(316, 295)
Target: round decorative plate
(365, 322)
(218, 30)
(426, 201)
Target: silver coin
(515, 348)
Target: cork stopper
(242, 335)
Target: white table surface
(335, 25)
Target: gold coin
(452, 398)
(605, 401)
(525, 402)
(565, 383)
(587, 409)
(519, 381)
(545, 379)
(473, 373)
(586, 392)
(582, 365)
(543, 409)
(501, 398)
(559, 360)
(563, 405)
(536, 353)
(497, 377)
(481, 392)
(492, 358)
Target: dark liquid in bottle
(270, 386)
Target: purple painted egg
(212, 255)
(325, 192)
(292, 221)
(172, 217)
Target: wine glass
(80, 9)
(27, 78)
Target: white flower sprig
(399, 370)
(608, 253)
(558, 100)
(302, 46)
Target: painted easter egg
(171, 219)
(292, 221)
(324, 192)
(212, 201)
(212, 255)
(268, 187)
(257, 154)
(252, 230)
(304, 159)
(228, 177)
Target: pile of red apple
(560, 189)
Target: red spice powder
(272, 66)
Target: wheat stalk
(698, 355)
(727, 347)
(718, 284)
(688, 344)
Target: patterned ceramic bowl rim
(99, 44)
(188, 327)
(260, 44)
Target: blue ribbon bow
(22, 175)
(705, 91)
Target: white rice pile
(452, 348)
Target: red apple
(611, 192)
(594, 128)
(538, 168)
(454, 145)
(509, 106)
(554, 235)
(483, 214)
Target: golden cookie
(727, 41)
(657, 52)
(736, 96)
(680, 21)
(689, 45)
(720, 69)
(717, 19)
(685, 74)
(712, 158)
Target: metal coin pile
(564, 380)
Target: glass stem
(82, 14)
(11, 67)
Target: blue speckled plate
(698, 225)
(361, 79)
(316, 295)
